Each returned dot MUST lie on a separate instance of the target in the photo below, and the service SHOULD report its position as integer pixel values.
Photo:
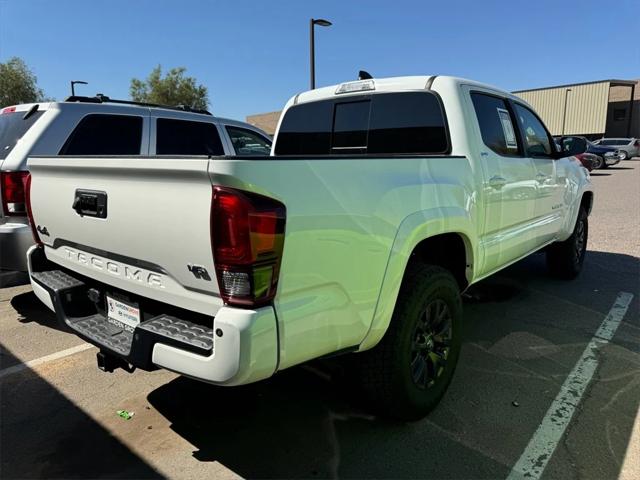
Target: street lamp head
(322, 22)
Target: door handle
(497, 182)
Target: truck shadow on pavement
(44, 435)
(31, 309)
(524, 333)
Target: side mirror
(573, 146)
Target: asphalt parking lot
(525, 334)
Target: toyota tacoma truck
(382, 200)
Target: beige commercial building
(265, 121)
(606, 108)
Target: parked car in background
(588, 160)
(101, 126)
(382, 201)
(605, 156)
(628, 147)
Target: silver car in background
(628, 147)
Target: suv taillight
(13, 185)
(27, 198)
(247, 239)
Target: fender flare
(574, 209)
(414, 229)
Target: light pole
(312, 57)
(564, 116)
(73, 84)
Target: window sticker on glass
(507, 129)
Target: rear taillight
(27, 195)
(13, 192)
(247, 238)
(637, 143)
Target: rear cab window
(185, 137)
(374, 124)
(13, 125)
(105, 134)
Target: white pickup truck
(382, 201)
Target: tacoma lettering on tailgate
(115, 268)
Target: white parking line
(535, 457)
(47, 358)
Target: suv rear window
(383, 123)
(12, 128)
(99, 134)
(182, 137)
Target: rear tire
(408, 372)
(565, 259)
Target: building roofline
(265, 113)
(612, 82)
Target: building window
(619, 114)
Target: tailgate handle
(90, 203)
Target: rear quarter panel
(348, 222)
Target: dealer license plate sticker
(122, 314)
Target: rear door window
(384, 123)
(12, 127)
(496, 124)
(99, 134)
(248, 142)
(183, 137)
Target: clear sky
(254, 55)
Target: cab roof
(389, 84)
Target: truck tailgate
(139, 224)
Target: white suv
(100, 126)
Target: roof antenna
(364, 75)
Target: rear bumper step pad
(70, 297)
